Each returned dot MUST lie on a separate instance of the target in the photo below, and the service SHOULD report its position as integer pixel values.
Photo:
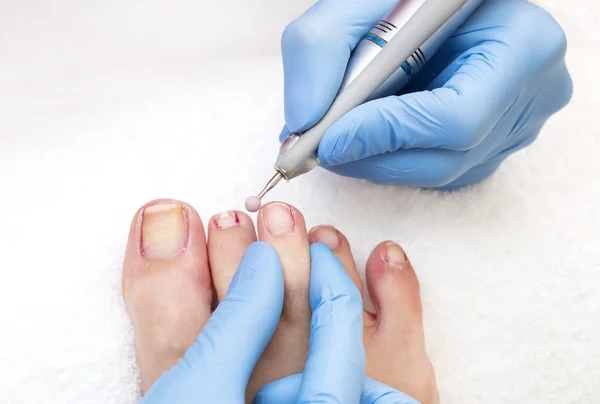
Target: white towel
(106, 106)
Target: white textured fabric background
(106, 105)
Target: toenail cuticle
(393, 255)
(278, 219)
(326, 235)
(164, 231)
(226, 220)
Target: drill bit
(253, 203)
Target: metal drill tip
(271, 184)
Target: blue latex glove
(285, 391)
(217, 366)
(486, 93)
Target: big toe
(395, 339)
(166, 284)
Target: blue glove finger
(284, 133)
(316, 48)
(374, 392)
(285, 391)
(474, 175)
(217, 366)
(414, 168)
(436, 168)
(253, 303)
(336, 358)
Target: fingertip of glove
(306, 104)
(261, 258)
(299, 119)
(262, 249)
(328, 276)
(317, 249)
(265, 255)
(284, 134)
(326, 151)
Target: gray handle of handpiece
(424, 23)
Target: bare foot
(168, 293)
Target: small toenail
(226, 220)
(279, 219)
(326, 235)
(394, 255)
(164, 231)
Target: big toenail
(164, 231)
(394, 255)
(326, 235)
(279, 219)
(226, 220)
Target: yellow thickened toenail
(164, 231)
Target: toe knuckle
(552, 39)
(566, 89)
(303, 32)
(527, 140)
(548, 40)
(442, 174)
(466, 129)
(471, 134)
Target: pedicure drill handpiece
(384, 61)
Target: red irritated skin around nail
(226, 220)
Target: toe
(283, 227)
(341, 248)
(229, 235)
(393, 287)
(166, 282)
(395, 342)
